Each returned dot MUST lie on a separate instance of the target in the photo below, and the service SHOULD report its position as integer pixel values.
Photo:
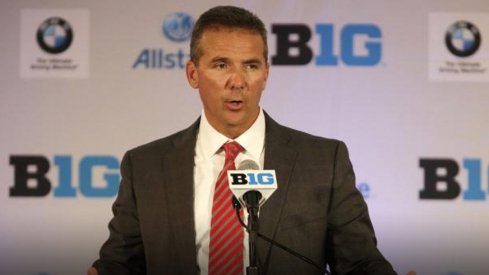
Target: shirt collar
(252, 140)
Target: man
(164, 215)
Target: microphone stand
(252, 199)
(253, 269)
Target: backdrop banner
(404, 83)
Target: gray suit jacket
(315, 211)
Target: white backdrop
(391, 114)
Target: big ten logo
(98, 176)
(441, 182)
(252, 178)
(364, 189)
(359, 45)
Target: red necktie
(226, 238)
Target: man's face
(231, 75)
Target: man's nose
(237, 80)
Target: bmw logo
(178, 27)
(54, 35)
(463, 39)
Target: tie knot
(232, 149)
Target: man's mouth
(234, 105)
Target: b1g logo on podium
(252, 178)
(440, 179)
(242, 181)
(31, 176)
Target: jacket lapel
(178, 169)
(281, 157)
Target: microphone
(251, 186)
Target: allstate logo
(178, 27)
(54, 35)
(463, 39)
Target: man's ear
(192, 76)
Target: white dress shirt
(209, 161)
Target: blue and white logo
(54, 35)
(31, 176)
(351, 49)
(178, 27)
(463, 39)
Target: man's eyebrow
(219, 59)
(253, 61)
(227, 60)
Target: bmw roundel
(463, 39)
(54, 35)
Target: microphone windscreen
(248, 164)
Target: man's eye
(220, 66)
(252, 67)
